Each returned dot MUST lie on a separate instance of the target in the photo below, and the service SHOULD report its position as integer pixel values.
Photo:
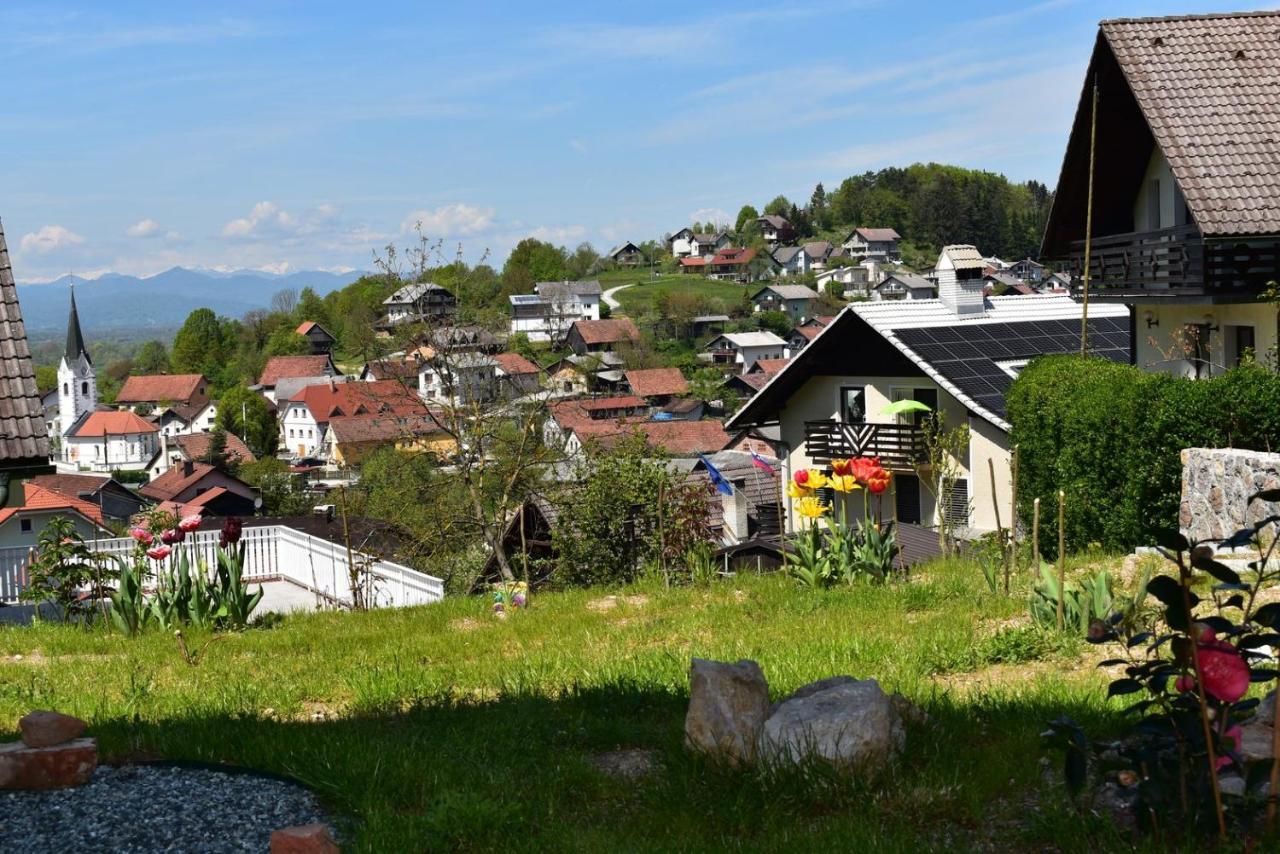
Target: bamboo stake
(1088, 223)
(1035, 538)
(1275, 764)
(995, 503)
(1062, 554)
(1013, 512)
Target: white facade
(118, 451)
(77, 390)
(23, 529)
(469, 378)
(547, 317)
(680, 243)
(300, 434)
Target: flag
(758, 462)
(721, 484)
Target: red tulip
(1225, 674)
(142, 535)
(171, 536)
(159, 552)
(1184, 683)
(190, 523)
(801, 477)
(841, 468)
(231, 530)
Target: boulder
(727, 706)
(45, 729)
(1256, 734)
(56, 767)
(303, 839)
(850, 723)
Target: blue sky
(288, 136)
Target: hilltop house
(776, 229)
(460, 379)
(957, 354)
(738, 351)
(903, 286)
(420, 302)
(739, 265)
(180, 420)
(804, 259)
(317, 336)
(293, 368)
(795, 301)
(687, 243)
(517, 375)
(626, 255)
(855, 278)
(1187, 230)
(880, 244)
(1027, 270)
(597, 336)
(547, 314)
(658, 386)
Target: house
(1186, 229)
(802, 260)
(116, 501)
(199, 487)
(459, 379)
(178, 420)
(877, 243)
(317, 336)
(627, 255)
(776, 229)
(806, 332)
(679, 243)
(350, 439)
(403, 370)
(706, 245)
(463, 338)
(657, 385)
(756, 377)
(419, 302)
(1055, 283)
(292, 367)
(740, 265)
(695, 264)
(854, 279)
(565, 377)
(107, 442)
(676, 438)
(957, 354)
(195, 447)
(1027, 270)
(896, 286)
(753, 506)
(741, 350)
(566, 415)
(517, 376)
(547, 314)
(31, 508)
(304, 416)
(596, 336)
(707, 324)
(155, 391)
(795, 301)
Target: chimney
(188, 468)
(959, 274)
(734, 509)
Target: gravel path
(146, 808)
(609, 296)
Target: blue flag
(720, 482)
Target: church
(89, 438)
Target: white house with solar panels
(957, 354)
(547, 314)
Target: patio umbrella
(899, 407)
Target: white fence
(275, 552)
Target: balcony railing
(1176, 260)
(899, 446)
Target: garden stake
(1184, 581)
(1013, 513)
(1004, 545)
(1062, 553)
(1035, 538)
(1275, 764)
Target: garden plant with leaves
(841, 552)
(64, 571)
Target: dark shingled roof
(23, 441)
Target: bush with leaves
(64, 571)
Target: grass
(442, 727)
(641, 297)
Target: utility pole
(1088, 222)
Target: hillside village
(928, 367)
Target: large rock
(727, 706)
(850, 723)
(45, 729)
(57, 767)
(303, 839)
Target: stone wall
(1216, 485)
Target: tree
(46, 377)
(216, 455)
(247, 414)
(778, 206)
(818, 213)
(281, 492)
(535, 261)
(582, 263)
(152, 358)
(203, 345)
(311, 307)
(747, 215)
(62, 568)
(284, 302)
(285, 341)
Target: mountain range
(115, 303)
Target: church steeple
(75, 340)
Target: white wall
(1161, 346)
(12, 535)
(128, 452)
(299, 432)
(1159, 190)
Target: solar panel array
(968, 355)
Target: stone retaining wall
(1216, 485)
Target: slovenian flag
(758, 462)
(721, 483)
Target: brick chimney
(960, 283)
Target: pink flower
(142, 535)
(190, 523)
(171, 536)
(1231, 741)
(159, 552)
(1226, 676)
(801, 477)
(1183, 684)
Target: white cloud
(716, 215)
(49, 238)
(145, 227)
(559, 233)
(265, 217)
(459, 220)
(278, 268)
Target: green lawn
(645, 288)
(444, 728)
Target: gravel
(146, 808)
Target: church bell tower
(77, 380)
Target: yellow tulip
(811, 508)
(795, 490)
(844, 483)
(817, 479)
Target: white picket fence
(275, 552)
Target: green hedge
(1111, 436)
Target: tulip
(811, 508)
(159, 552)
(844, 483)
(801, 477)
(231, 530)
(879, 482)
(1184, 683)
(794, 490)
(190, 523)
(816, 479)
(171, 536)
(1225, 674)
(840, 468)
(142, 535)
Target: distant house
(32, 507)
(1055, 283)
(752, 508)
(878, 243)
(564, 416)
(292, 367)
(677, 438)
(657, 385)
(738, 351)
(304, 417)
(350, 439)
(695, 264)
(776, 229)
(795, 301)
(153, 390)
(108, 441)
(195, 447)
(114, 499)
(679, 243)
(707, 244)
(596, 336)
(740, 265)
(806, 332)
(404, 370)
(705, 324)
(179, 419)
(547, 314)
(199, 487)
(855, 279)
(420, 302)
(756, 377)
(1027, 270)
(517, 376)
(627, 255)
(467, 337)
(460, 380)
(317, 336)
(903, 286)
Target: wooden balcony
(900, 447)
(1174, 262)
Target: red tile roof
(176, 481)
(693, 261)
(327, 400)
(36, 497)
(153, 388)
(606, 331)
(878, 235)
(653, 382)
(382, 428)
(733, 257)
(279, 367)
(115, 424)
(681, 438)
(768, 367)
(195, 446)
(568, 413)
(808, 332)
(513, 364)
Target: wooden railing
(1177, 260)
(899, 446)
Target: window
(1239, 344)
(1195, 344)
(66, 388)
(958, 504)
(84, 388)
(906, 495)
(853, 404)
(25, 525)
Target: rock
(727, 706)
(45, 729)
(1256, 740)
(1231, 785)
(813, 688)
(852, 724)
(303, 839)
(1118, 803)
(56, 767)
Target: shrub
(1111, 437)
